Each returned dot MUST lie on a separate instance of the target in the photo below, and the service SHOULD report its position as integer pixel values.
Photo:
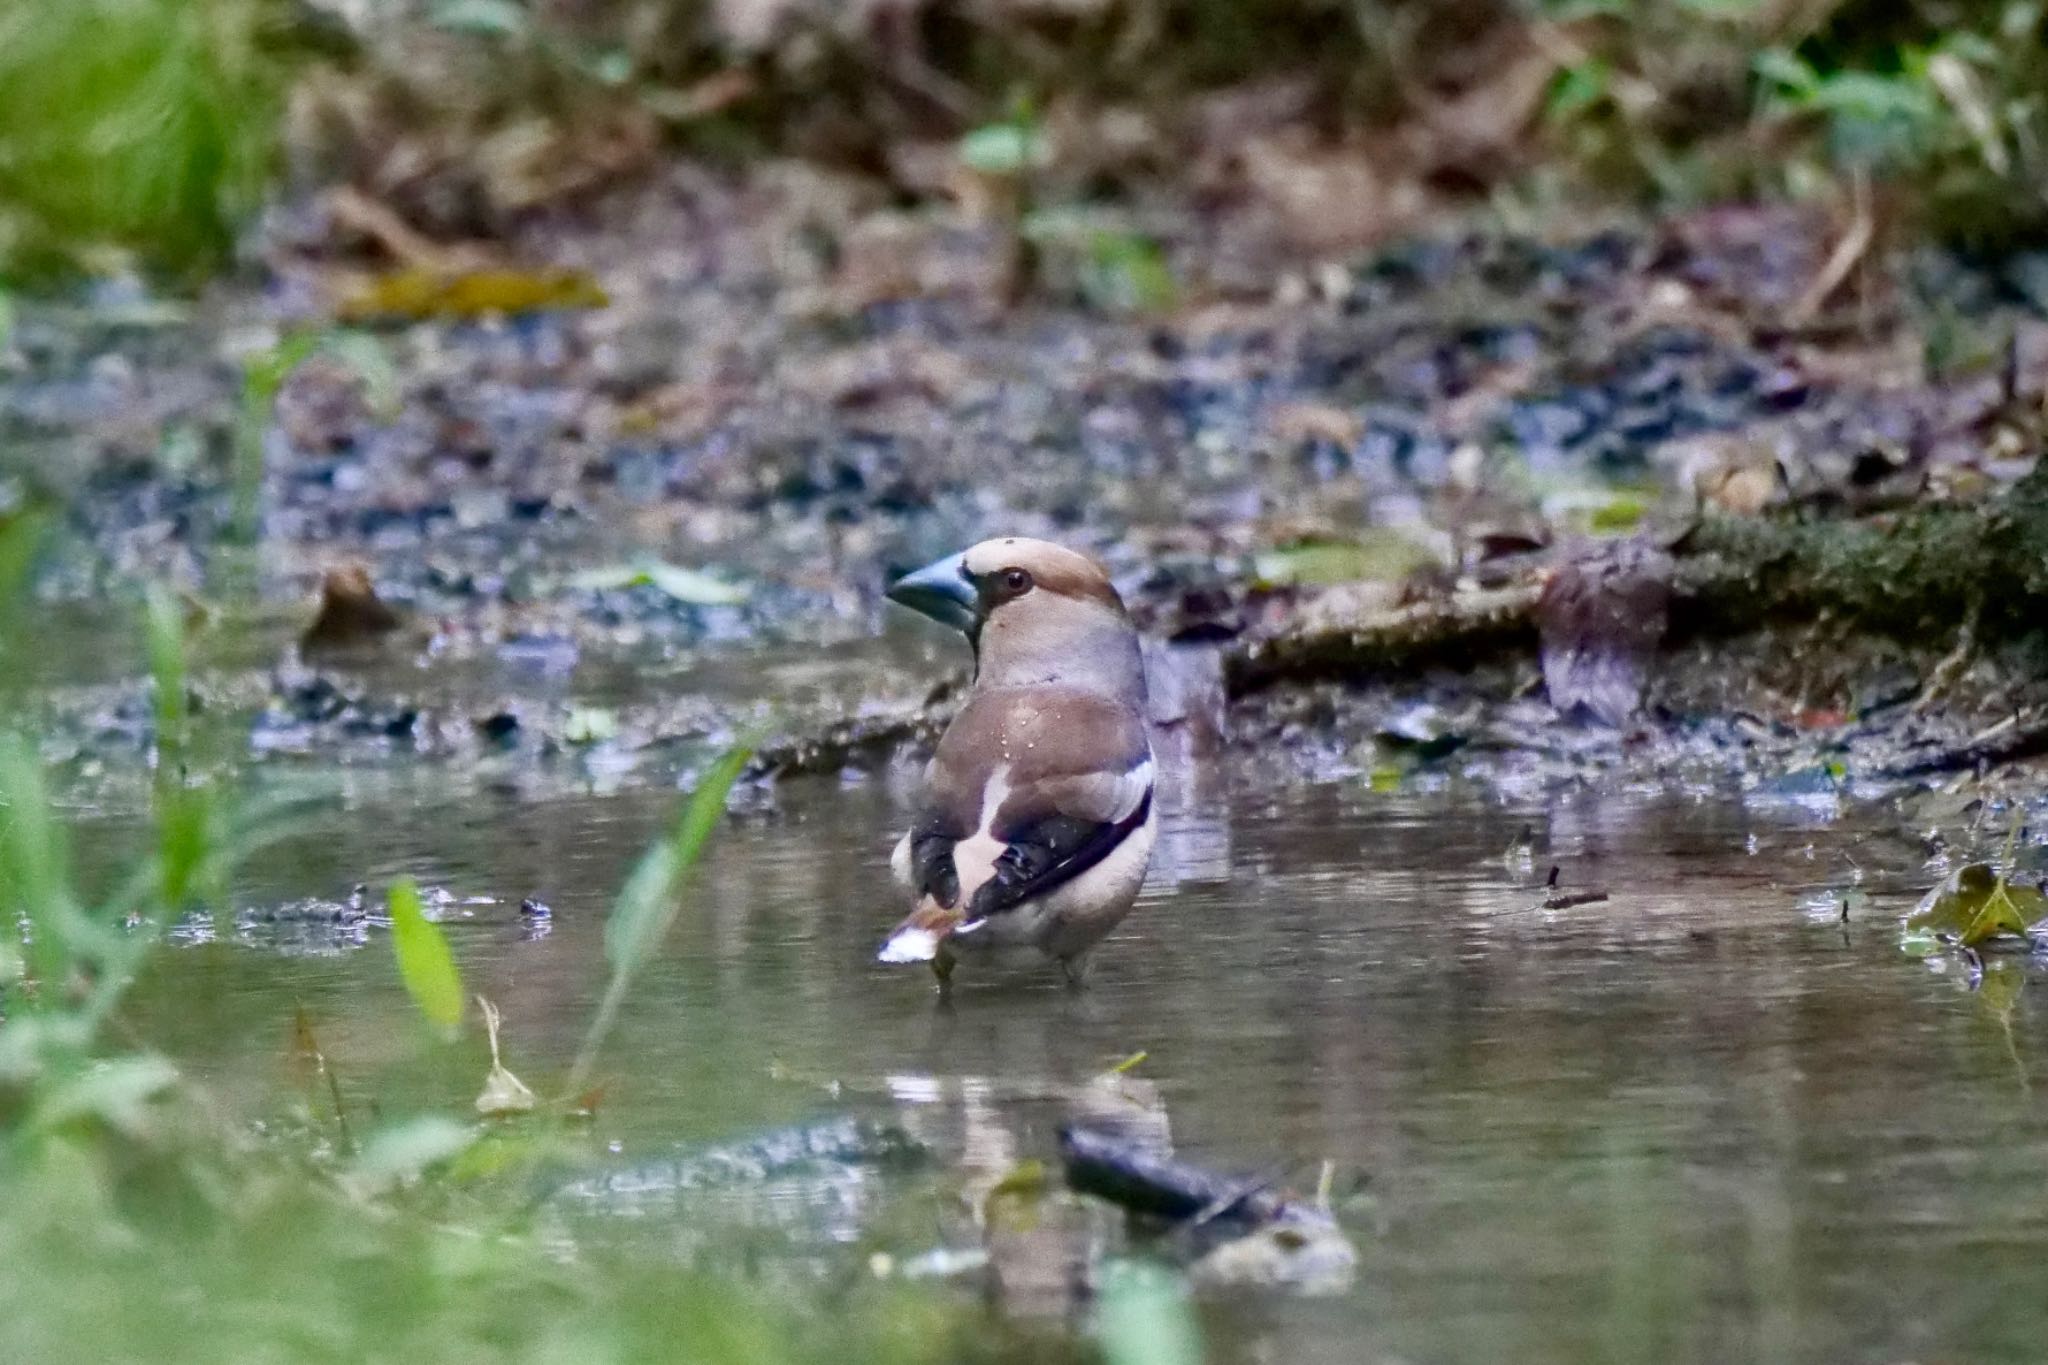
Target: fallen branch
(1916, 575)
(1153, 1186)
(1459, 632)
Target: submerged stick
(1134, 1178)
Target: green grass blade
(185, 827)
(35, 876)
(424, 963)
(648, 903)
(166, 634)
(21, 536)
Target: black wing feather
(1046, 854)
(932, 866)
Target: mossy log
(1920, 574)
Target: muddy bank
(613, 538)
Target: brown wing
(1069, 774)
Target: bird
(1035, 821)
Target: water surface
(1704, 1120)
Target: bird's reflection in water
(1188, 727)
(1042, 1243)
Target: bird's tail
(917, 939)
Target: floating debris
(1974, 906)
(503, 1092)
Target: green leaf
(264, 373)
(424, 963)
(612, 67)
(1619, 515)
(1919, 943)
(1144, 1317)
(1127, 273)
(1872, 98)
(684, 585)
(492, 18)
(1378, 555)
(698, 589)
(1026, 1179)
(1787, 71)
(1579, 87)
(1999, 914)
(1004, 149)
(1973, 904)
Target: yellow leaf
(410, 295)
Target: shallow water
(1703, 1120)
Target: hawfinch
(1036, 821)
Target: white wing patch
(899, 865)
(974, 858)
(1130, 791)
(992, 797)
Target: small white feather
(910, 945)
(1131, 788)
(899, 864)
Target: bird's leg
(942, 968)
(1075, 970)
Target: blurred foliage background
(149, 131)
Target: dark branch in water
(1153, 1186)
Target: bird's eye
(1016, 582)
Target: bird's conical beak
(942, 591)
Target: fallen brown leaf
(351, 614)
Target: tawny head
(1036, 612)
